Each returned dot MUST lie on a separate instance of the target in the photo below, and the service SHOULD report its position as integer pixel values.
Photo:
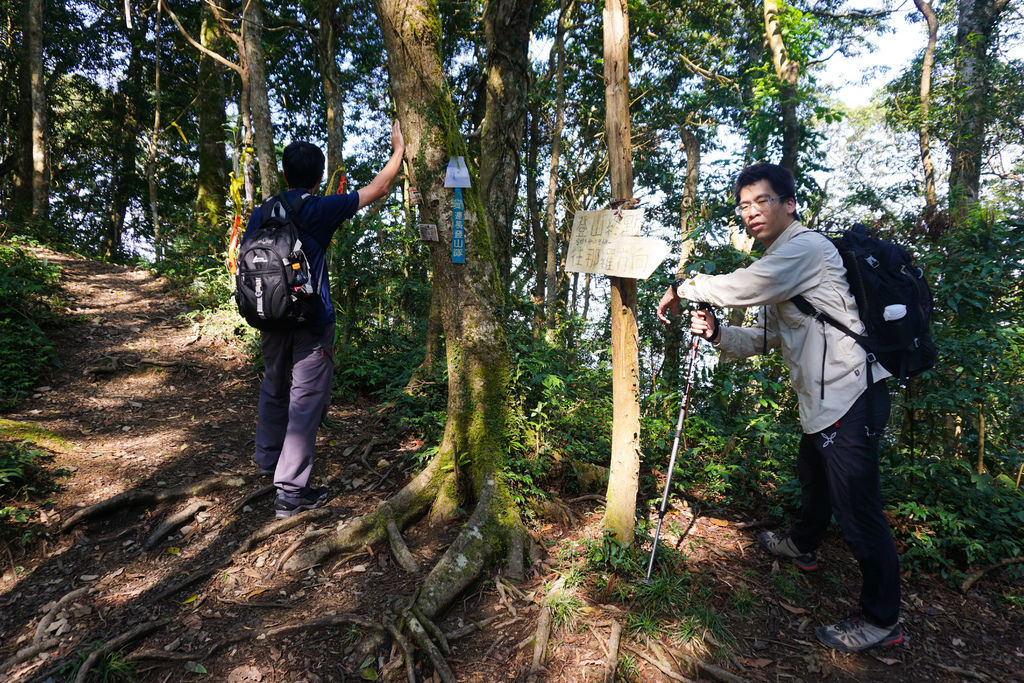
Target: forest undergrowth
(140, 545)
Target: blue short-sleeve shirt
(320, 218)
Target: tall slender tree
(976, 25)
(37, 89)
(624, 473)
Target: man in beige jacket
(840, 415)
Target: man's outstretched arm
(381, 185)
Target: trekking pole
(675, 445)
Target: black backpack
(273, 287)
(893, 299)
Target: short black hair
(779, 177)
(303, 165)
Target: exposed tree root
(612, 662)
(660, 666)
(407, 653)
(366, 454)
(427, 645)
(266, 531)
(590, 496)
(28, 652)
(370, 528)
(399, 549)
(258, 493)
(1005, 562)
(47, 619)
(431, 628)
(142, 497)
(137, 632)
(290, 550)
(540, 644)
(710, 670)
(470, 628)
(174, 521)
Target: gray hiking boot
(310, 500)
(856, 635)
(784, 547)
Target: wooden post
(624, 472)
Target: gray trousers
(294, 397)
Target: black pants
(838, 470)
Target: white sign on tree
(609, 243)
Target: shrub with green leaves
(27, 288)
(24, 477)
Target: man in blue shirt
(296, 388)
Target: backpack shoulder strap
(807, 308)
(293, 209)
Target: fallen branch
(612, 662)
(175, 521)
(1005, 562)
(756, 524)
(116, 643)
(143, 497)
(977, 675)
(590, 496)
(47, 619)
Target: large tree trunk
(788, 72)
(37, 88)
(126, 114)
(976, 23)
(931, 201)
(330, 76)
(259, 98)
(472, 452)
(507, 35)
(211, 190)
(623, 475)
(551, 267)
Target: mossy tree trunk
(468, 469)
(212, 182)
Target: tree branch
(191, 41)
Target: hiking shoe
(311, 499)
(856, 635)
(784, 547)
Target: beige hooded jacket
(827, 368)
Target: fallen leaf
(195, 667)
(245, 673)
(190, 600)
(888, 661)
(174, 551)
(758, 663)
(719, 522)
(791, 609)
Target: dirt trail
(144, 403)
